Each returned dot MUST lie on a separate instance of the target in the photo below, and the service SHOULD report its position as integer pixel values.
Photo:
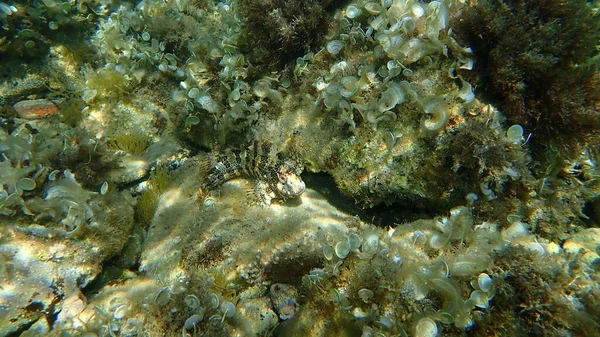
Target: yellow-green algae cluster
(382, 105)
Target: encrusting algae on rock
(402, 199)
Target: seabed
(430, 208)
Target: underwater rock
(283, 296)
(131, 168)
(44, 267)
(586, 243)
(35, 108)
(134, 167)
(261, 317)
(18, 88)
(387, 112)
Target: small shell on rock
(162, 297)
(283, 298)
(192, 322)
(215, 322)
(342, 249)
(35, 108)
(214, 300)
(373, 8)
(191, 301)
(365, 294)
(120, 312)
(328, 252)
(335, 46)
(228, 309)
(104, 188)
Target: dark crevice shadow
(380, 215)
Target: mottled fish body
(277, 177)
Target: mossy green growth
(104, 83)
(133, 143)
(145, 207)
(533, 58)
(148, 200)
(159, 179)
(71, 111)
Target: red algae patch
(35, 108)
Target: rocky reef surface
(446, 193)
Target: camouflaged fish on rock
(277, 177)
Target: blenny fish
(277, 177)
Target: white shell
(228, 309)
(480, 299)
(515, 133)
(26, 184)
(192, 322)
(484, 281)
(328, 252)
(120, 312)
(104, 188)
(373, 8)
(342, 249)
(417, 10)
(53, 174)
(426, 327)
(335, 46)
(392, 96)
(365, 294)
(191, 301)
(214, 300)
(352, 11)
(355, 241)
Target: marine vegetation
(532, 59)
(426, 208)
(282, 30)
